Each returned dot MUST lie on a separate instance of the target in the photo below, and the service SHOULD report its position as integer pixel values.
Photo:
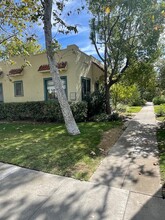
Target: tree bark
(70, 123)
(107, 98)
(106, 85)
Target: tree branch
(2, 41)
(95, 45)
(125, 67)
(110, 31)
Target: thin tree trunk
(106, 88)
(107, 98)
(66, 111)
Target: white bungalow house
(80, 74)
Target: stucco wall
(79, 65)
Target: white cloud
(90, 50)
(82, 29)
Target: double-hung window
(18, 88)
(85, 87)
(50, 91)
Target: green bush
(121, 107)
(160, 111)
(79, 110)
(159, 100)
(96, 103)
(114, 117)
(127, 95)
(103, 117)
(138, 102)
(40, 111)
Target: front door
(1, 93)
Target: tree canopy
(124, 32)
(15, 23)
(161, 76)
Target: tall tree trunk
(107, 98)
(66, 111)
(106, 87)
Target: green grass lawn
(160, 111)
(161, 146)
(48, 147)
(133, 109)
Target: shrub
(103, 117)
(96, 103)
(159, 100)
(79, 110)
(138, 102)
(121, 107)
(51, 112)
(40, 111)
(114, 117)
(124, 94)
(160, 111)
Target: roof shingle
(46, 67)
(16, 71)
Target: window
(50, 91)
(1, 93)
(18, 88)
(97, 86)
(85, 87)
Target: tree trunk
(65, 108)
(107, 98)
(106, 88)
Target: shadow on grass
(47, 147)
(32, 195)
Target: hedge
(40, 111)
(158, 100)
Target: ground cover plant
(160, 112)
(161, 146)
(48, 147)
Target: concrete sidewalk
(117, 191)
(132, 163)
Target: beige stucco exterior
(79, 65)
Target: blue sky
(82, 22)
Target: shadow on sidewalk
(133, 162)
(141, 206)
(23, 197)
(72, 200)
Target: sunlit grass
(133, 109)
(48, 147)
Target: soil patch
(109, 139)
